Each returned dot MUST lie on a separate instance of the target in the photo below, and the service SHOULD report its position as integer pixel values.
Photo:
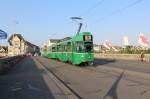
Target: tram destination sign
(88, 37)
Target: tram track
(72, 93)
(111, 74)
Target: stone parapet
(135, 57)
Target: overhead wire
(119, 10)
(89, 10)
(92, 8)
(112, 13)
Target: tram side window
(62, 48)
(65, 48)
(58, 48)
(73, 47)
(69, 47)
(53, 49)
(79, 46)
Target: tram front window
(88, 43)
(82, 47)
(88, 46)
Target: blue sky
(40, 20)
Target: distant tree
(147, 51)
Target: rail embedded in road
(67, 90)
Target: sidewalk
(27, 80)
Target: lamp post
(76, 19)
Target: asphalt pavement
(107, 79)
(137, 66)
(104, 80)
(27, 80)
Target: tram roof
(74, 38)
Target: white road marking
(33, 88)
(16, 89)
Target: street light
(80, 24)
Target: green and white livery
(76, 50)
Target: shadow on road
(113, 90)
(99, 61)
(25, 81)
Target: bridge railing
(135, 57)
(7, 63)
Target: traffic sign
(3, 35)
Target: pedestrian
(142, 56)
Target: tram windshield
(82, 47)
(88, 43)
(88, 46)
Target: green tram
(76, 50)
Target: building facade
(3, 51)
(19, 46)
(47, 45)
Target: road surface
(107, 79)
